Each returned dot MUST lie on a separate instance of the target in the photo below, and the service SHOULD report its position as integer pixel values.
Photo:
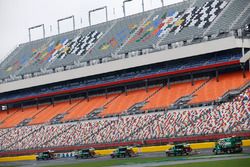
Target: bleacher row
(96, 44)
(225, 118)
(204, 90)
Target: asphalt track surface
(62, 161)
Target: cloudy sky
(16, 16)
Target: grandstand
(171, 74)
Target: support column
(106, 93)
(87, 95)
(192, 79)
(22, 106)
(217, 75)
(37, 103)
(70, 100)
(168, 83)
(125, 89)
(243, 70)
(52, 101)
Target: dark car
(85, 153)
(123, 152)
(47, 155)
(179, 149)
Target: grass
(112, 162)
(223, 163)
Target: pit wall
(206, 145)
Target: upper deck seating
(170, 24)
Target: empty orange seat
(85, 107)
(52, 111)
(213, 89)
(124, 102)
(166, 96)
(7, 114)
(21, 115)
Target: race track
(179, 159)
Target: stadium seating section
(167, 96)
(170, 67)
(179, 22)
(86, 106)
(228, 117)
(207, 90)
(213, 89)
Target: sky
(16, 16)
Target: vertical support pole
(243, 70)
(192, 79)
(87, 95)
(126, 92)
(217, 75)
(162, 3)
(29, 35)
(22, 106)
(52, 101)
(89, 18)
(106, 93)
(70, 99)
(123, 6)
(106, 10)
(243, 49)
(74, 24)
(168, 83)
(58, 27)
(142, 6)
(146, 85)
(43, 31)
(37, 103)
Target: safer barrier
(18, 158)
